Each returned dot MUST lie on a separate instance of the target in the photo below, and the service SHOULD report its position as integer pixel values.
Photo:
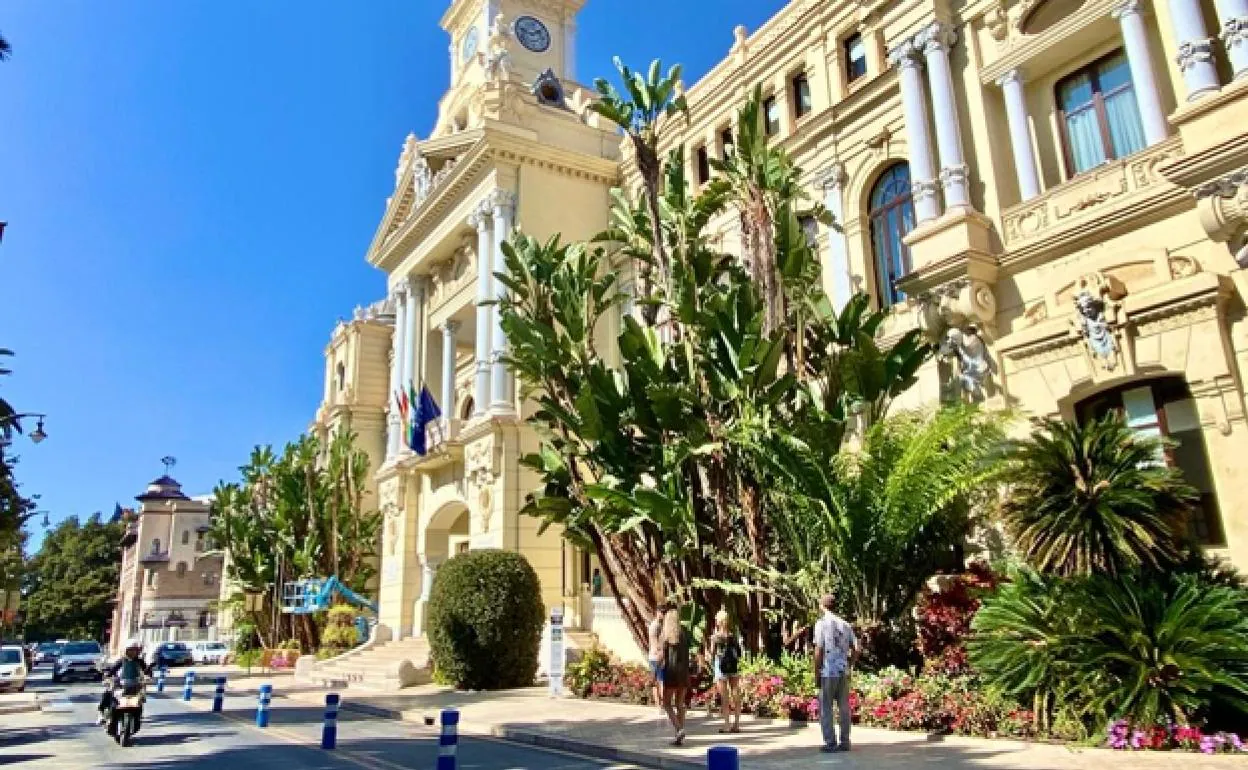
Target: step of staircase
(374, 669)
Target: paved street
(179, 735)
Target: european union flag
(426, 412)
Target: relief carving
(1097, 318)
(1182, 267)
(965, 349)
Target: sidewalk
(633, 734)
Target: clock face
(469, 48)
(532, 34)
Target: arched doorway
(1164, 407)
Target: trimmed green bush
(485, 621)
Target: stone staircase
(385, 666)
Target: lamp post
(37, 435)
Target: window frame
(796, 82)
(770, 105)
(846, 44)
(727, 141)
(1098, 106)
(701, 164)
(887, 293)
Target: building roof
(163, 488)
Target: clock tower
(517, 39)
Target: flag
(426, 412)
(400, 401)
(414, 408)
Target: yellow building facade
(1055, 190)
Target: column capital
(502, 202)
(937, 36)
(401, 287)
(833, 177)
(1013, 76)
(1227, 186)
(1234, 31)
(1127, 8)
(450, 327)
(904, 55)
(420, 285)
(479, 219)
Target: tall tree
(71, 583)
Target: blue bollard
(262, 708)
(189, 685)
(329, 732)
(218, 700)
(449, 741)
(160, 679)
(722, 758)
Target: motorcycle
(124, 716)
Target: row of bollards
(717, 757)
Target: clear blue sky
(190, 187)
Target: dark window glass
(855, 58)
(1099, 116)
(801, 95)
(725, 141)
(892, 216)
(704, 164)
(771, 115)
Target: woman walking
(726, 662)
(674, 662)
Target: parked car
(169, 654)
(79, 660)
(47, 652)
(209, 652)
(12, 669)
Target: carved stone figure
(966, 348)
(1097, 307)
(423, 180)
(497, 59)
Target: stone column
(448, 369)
(922, 168)
(936, 40)
(502, 392)
(1195, 49)
(1130, 16)
(1233, 15)
(397, 345)
(428, 571)
(833, 183)
(415, 303)
(1020, 135)
(480, 219)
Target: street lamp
(37, 435)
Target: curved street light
(37, 435)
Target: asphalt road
(188, 737)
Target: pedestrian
(726, 662)
(836, 651)
(655, 631)
(596, 582)
(674, 660)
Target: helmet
(134, 644)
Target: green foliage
(1144, 648)
(485, 620)
(339, 634)
(594, 666)
(71, 583)
(1093, 498)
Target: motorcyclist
(126, 668)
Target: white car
(12, 669)
(209, 652)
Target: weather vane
(169, 461)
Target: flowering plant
(1123, 736)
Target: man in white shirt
(836, 650)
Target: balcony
(1095, 205)
(155, 557)
(444, 445)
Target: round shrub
(485, 621)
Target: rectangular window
(703, 162)
(855, 58)
(771, 115)
(725, 142)
(1098, 114)
(801, 95)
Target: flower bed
(1125, 737)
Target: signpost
(556, 652)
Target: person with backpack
(674, 663)
(726, 662)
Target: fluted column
(922, 168)
(448, 369)
(1233, 16)
(480, 219)
(833, 183)
(1195, 49)
(415, 301)
(1130, 16)
(1020, 135)
(936, 41)
(503, 393)
(397, 345)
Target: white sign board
(556, 652)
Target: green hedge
(485, 621)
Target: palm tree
(1094, 498)
(6, 50)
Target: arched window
(892, 216)
(186, 537)
(181, 569)
(156, 546)
(1165, 407)
(469, 406)
(342, 375)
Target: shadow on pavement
(13, 759)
